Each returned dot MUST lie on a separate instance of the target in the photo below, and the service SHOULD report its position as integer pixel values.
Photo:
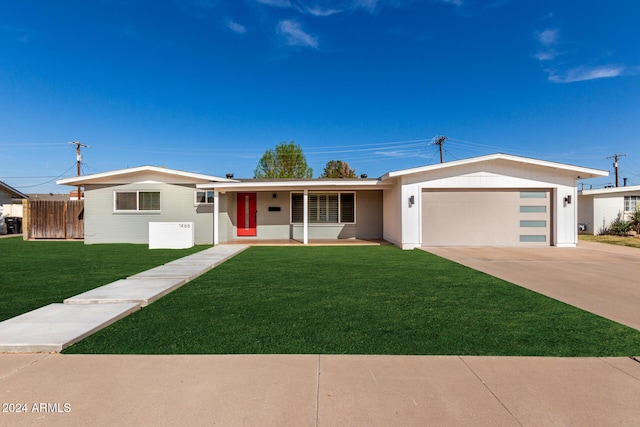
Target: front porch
(311, 242)
(319, 212)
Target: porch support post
(216, 210)
(305, 221)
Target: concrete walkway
(312, 390)
(57, 326)
(601, 278)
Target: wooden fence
(49, 219)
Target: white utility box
(171, 235)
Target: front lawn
(37, 273)
(358, 300)
(633, 242)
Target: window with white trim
(631, 203)
(324, 208)
(134, 201)
(203, 197)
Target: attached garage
(486, 217)
(493, 200)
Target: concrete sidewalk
(601, 278)
(57, 326)
(312, 390)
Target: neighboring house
(494, 200)
(57, 197)
(8, 196)
(598, 208)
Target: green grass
(37, 273)
(632, 242)
(358, 300)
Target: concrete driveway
(600, 278)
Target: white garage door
(486, 218)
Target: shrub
(634, 220)
(619, 227)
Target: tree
(338, 169)
(285, 161)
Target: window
(297, 208)
(528, 238)
(533, 194)
(526, 223)
(347, 207)
(323, 208)
(533, 209)
(329, 208)
(204, 197)
(631, 203)
(137, 201)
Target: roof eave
(582, 172)
(612, 190)
(100, 177)
(15, 194)
(294, 185)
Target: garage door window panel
(530, 223)
(533, 209)
(533, 194)
(533, 238)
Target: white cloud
(546, 55)
(548, 37)
(235, 27)
(318, 11)
(569, 70)
(395, 153)
(323, 8)
(454, 2)
(369, 5)
(584, 73)
(294, 34)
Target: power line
(28, 177)
(20, 145)
(51, 180)
(473, 146)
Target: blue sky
(207, 86)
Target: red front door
(247, 214)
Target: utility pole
(439, 140)
(78, 158)
(615, 164)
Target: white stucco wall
(606, 209)
(585, 214)
(103, 225)
(600, 207)
(392, 215)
